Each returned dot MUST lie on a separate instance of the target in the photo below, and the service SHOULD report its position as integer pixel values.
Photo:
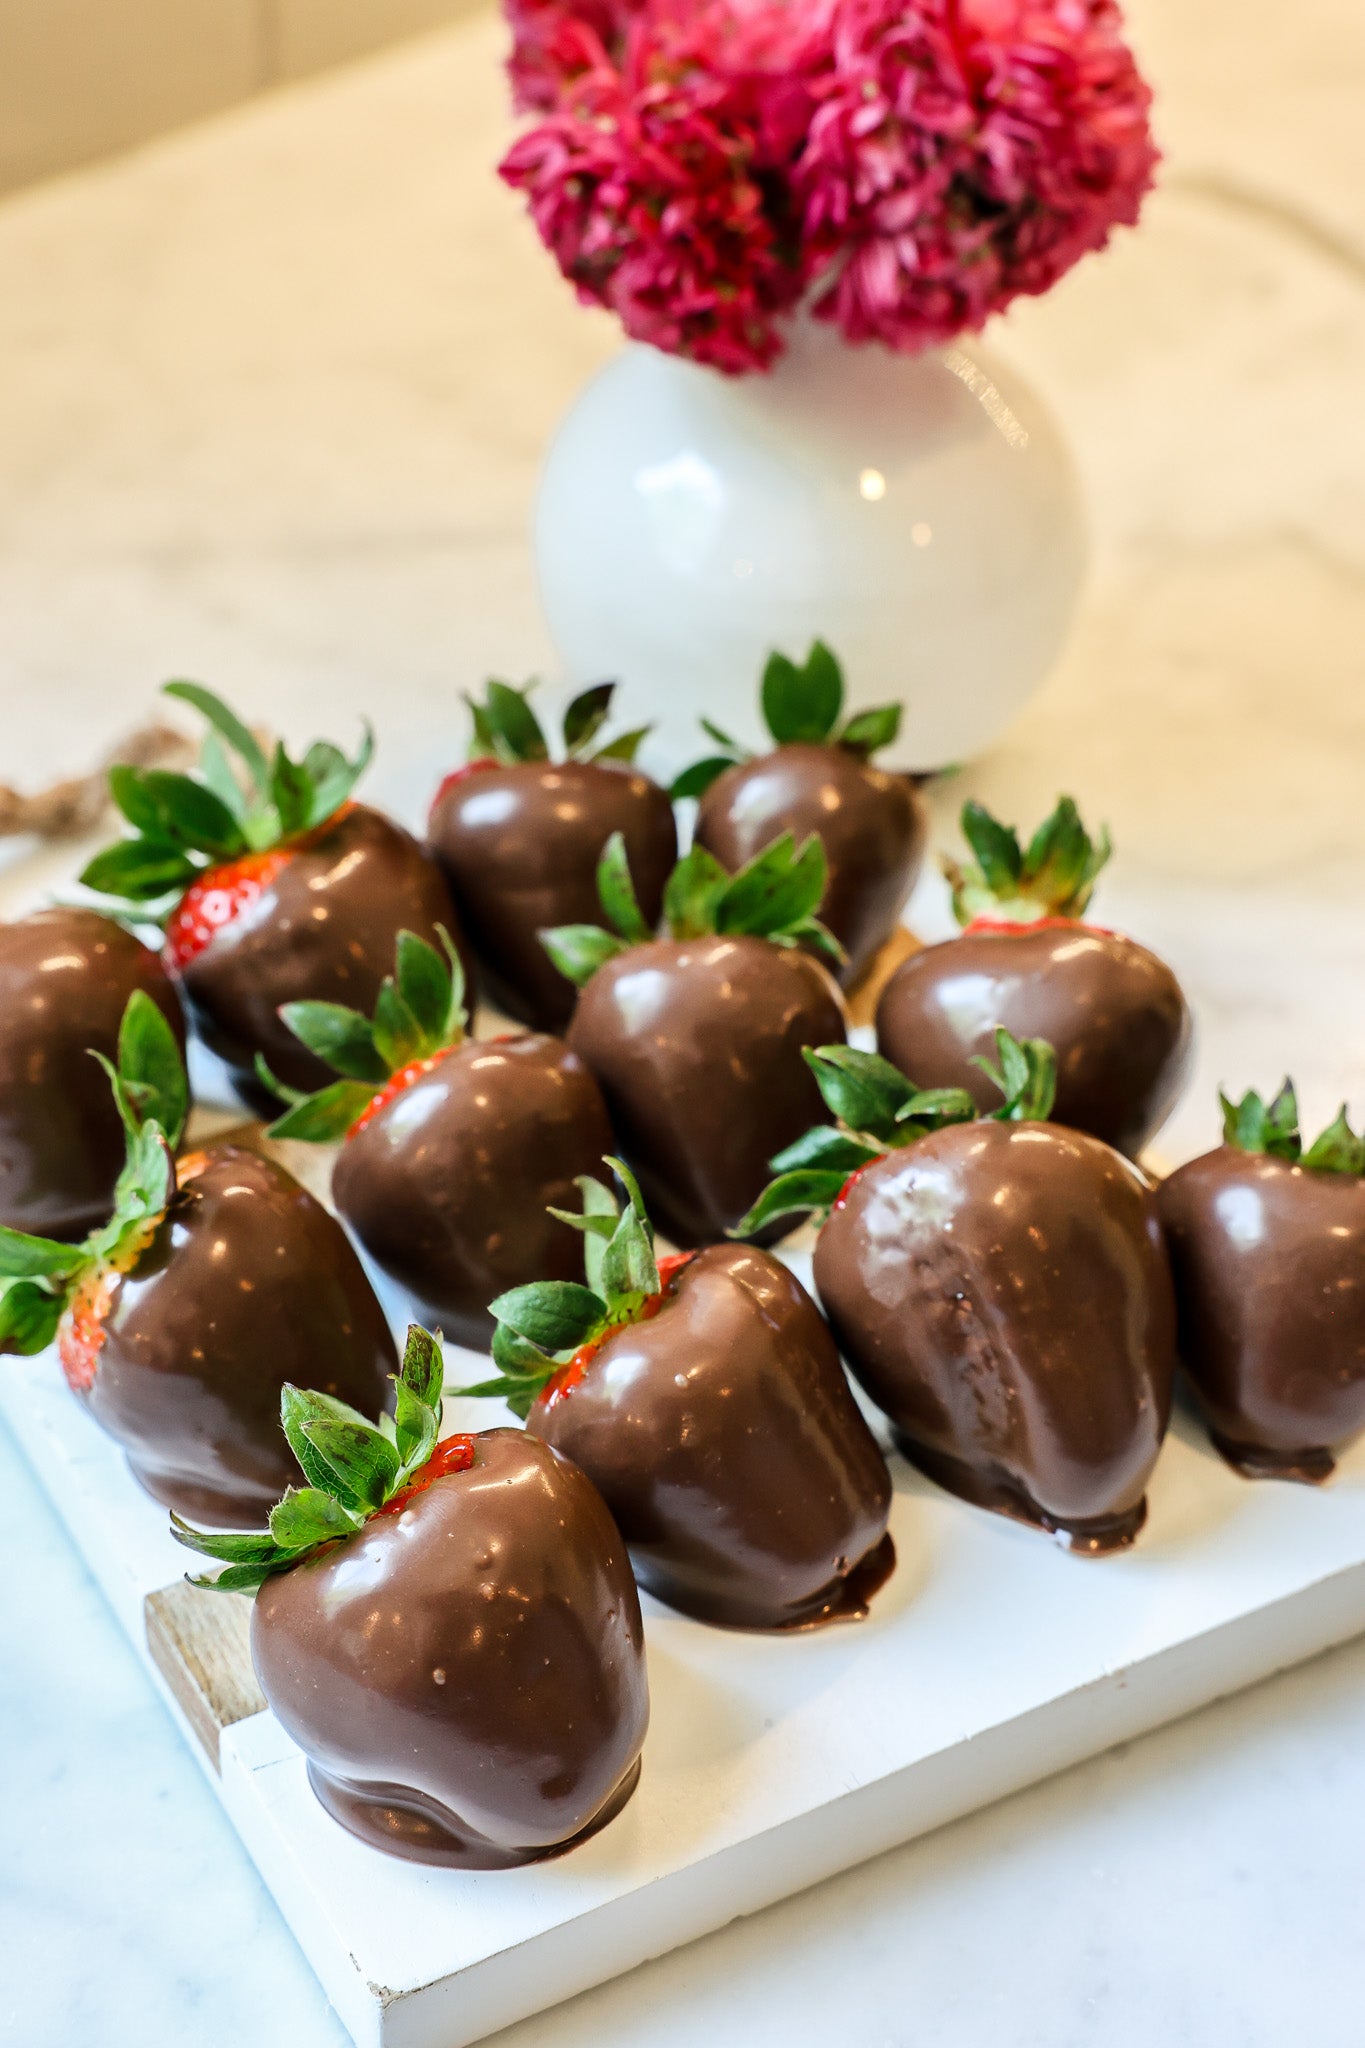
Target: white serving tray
(990, 1660)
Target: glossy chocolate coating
(247, 1283)
(467, 1676)
(65, 980)
(520, 846)
(1113, 1011)
(873, 825)
(447, 1186)
(325, 928)
(696, 1045)
(1269, 1264)
(724, 1439)
(1002, 1293)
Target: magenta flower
(906, 166)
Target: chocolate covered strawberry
(696, 1039)
(703, 1396)
(519, 837)
(819, 778)
(216, 1278)
(1026, 959)
(65, 979)
(452, 1150)
(273, 886)
(998, 1286)
(1267, 1244)
(449, 1631)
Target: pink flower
(910, 166)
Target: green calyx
(1054, 876)
(800, 703)
(39, 1275)
(352, 1467)
(186, 824)
(1254, 1125)
(877, 1110)
(420, 1012)
(775, 897)
(507, 730)
(540, 1327)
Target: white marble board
(990, 1660)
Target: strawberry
(818, 778)
(159, 1313)
(272, 885)
(449, 1631)
(1113, 1011)
(518, 837)
(451, 1150)
(65, 980)
(998, 1286)
(703, 1397)
(1267, 1243)
(696, 1040)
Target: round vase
(918, 513)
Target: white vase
(919, 513)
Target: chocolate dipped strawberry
(449, 1631)
(1113, 1011)
(452, 1150)
(819, 778)
(703, 1396)
(1267, 1244)
(177, 1321)
(272, 885)
(696, 1039)
(65, 979)
(998, 1286)
(519, 837)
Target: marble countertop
(272, 397)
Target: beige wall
(82, 78)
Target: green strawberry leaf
(791, 1194)
(218, 776)
(861, 1089)
(586, 716)
(578, 950)
(139, 870)
(693, 893)
(512, 725)
(802, 704)
(616, 893)
(230, 1547)
(628, 1265)
(780, 887)
(151, 1078)
(291, 794)
(340, 1036)
(397, 1034)
(189, 813)
(308, 1516)
(36, 1258)
(867, 732)
(432, 989)
(554, 1315)
(1026, 1076)
(597, 1222)
(824, 1150)
(226, 723)
(360, 1456)
(625, 746)
(1337, 1149)
(325, 1118)
(423, 1368)
(29, 1316)
(996, 847)
(696, 780)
